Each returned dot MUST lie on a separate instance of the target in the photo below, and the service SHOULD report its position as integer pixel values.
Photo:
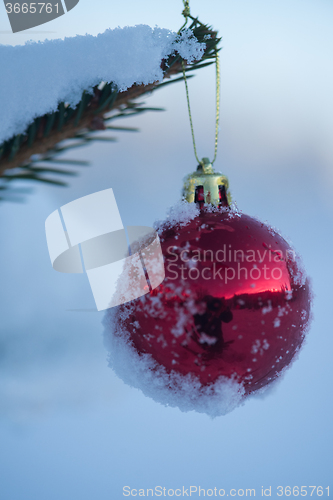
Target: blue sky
(69, 428)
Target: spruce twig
(54, 133)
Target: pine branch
(45, 136)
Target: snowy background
(69, 428)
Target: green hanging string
(186, 13)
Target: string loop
(186, 13)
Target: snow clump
(37, 76)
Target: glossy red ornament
(235, 302)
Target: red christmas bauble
(228, 318)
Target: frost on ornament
(226, 322)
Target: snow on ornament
(230, 315)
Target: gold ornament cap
(207, 186)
